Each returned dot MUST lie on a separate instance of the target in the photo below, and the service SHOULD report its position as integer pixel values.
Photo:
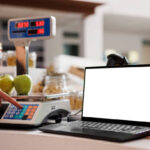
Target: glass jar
(75, 100)
(32, 59)
(11, 59)
(54, 84)
(78, 101)
(4, 58)
(1, 55)
(1, 58)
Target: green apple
(6, 83)
(23, 84)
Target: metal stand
(22, 59)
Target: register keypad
(26, 113)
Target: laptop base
(67, 129)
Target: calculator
(32, 113)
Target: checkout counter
(37, 140)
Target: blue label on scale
(30, 28)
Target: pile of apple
(22, 84)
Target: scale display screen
(30, 28)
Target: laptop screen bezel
(106, 119)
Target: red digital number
(40, 31)
(20, 25)
(23, 25)
(26, 24)
(39, 23)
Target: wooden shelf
(73, 6)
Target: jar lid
(11, 52)
(32, 54)
(55, 76)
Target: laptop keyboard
(113, 127)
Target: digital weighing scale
(33, 113)
(22, 32)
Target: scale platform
(42, 97)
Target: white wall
(140, 8)
(91, 44)
(54, 47)
(93, 35)
(124, 41)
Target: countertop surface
(37, 140)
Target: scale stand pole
(22, 59)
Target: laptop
(116, 105)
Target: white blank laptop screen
(117, 93)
